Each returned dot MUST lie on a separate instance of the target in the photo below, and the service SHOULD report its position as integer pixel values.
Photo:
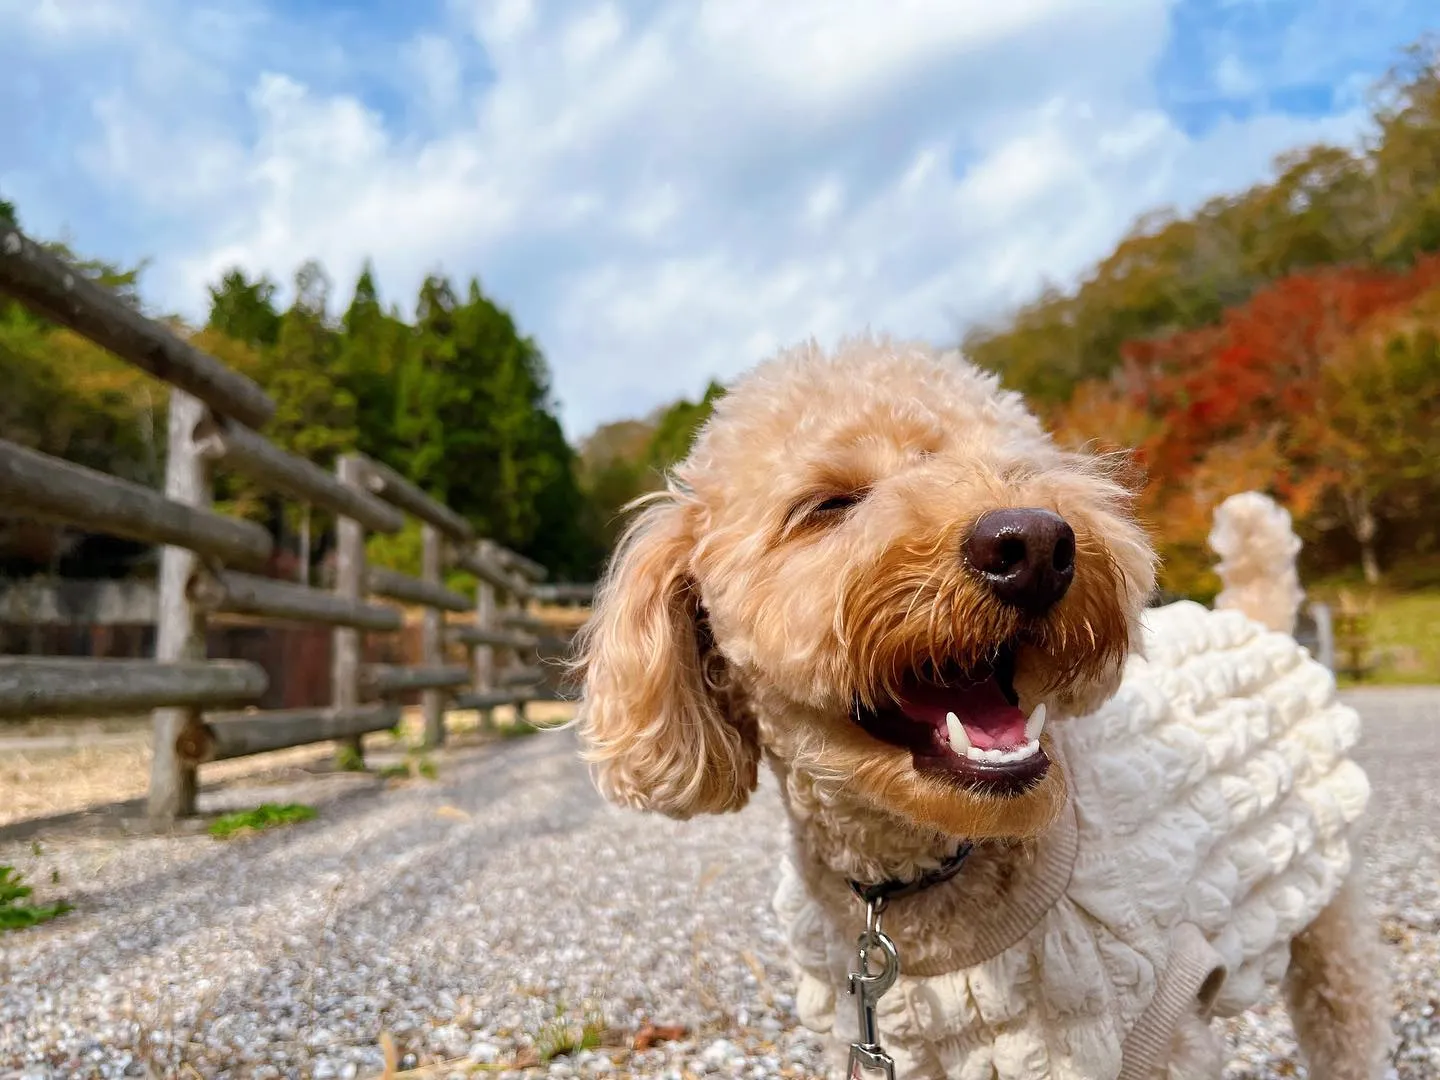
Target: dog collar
(894, 889)
(867, 986)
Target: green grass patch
(348, 759)
(516, 729)
(15, 912)
(1405, 631)
(416, 763)
(562, 1035)
(1394, 636)
(264, 816)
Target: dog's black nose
(1026, 556)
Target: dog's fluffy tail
(1257, 546)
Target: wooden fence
(209, 565)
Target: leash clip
(867, 988)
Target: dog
(1089, 827)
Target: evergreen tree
(370, 357)
(245, 310)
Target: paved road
(476, 915)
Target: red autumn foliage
(1260, 400)
(1261, 365)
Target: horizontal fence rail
(414, 590)
(61, 293)
(224, 737)
(252, 455)
(47, 487)
(246, 594)
(46, 686)
(391, 486)
(211, 565)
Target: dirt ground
(54, 768)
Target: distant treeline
(1284, 338)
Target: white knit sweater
(1212, 815)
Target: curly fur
(1257, 548)
(739, 619)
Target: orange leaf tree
(1253, 401)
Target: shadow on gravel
(493, 794)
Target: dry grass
(107, 760)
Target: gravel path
(501, 909)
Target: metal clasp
(867, 988)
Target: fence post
(349, 585)
(483, 656)
(180, 625)
(513, 605)
(432, 628)
(1324, 634)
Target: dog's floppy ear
(655, 712)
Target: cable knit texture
(1213, 802)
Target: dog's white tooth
(975, 754)
(959, 741)
(994, 756)
(1036, 724)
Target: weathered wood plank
(564, 593)
(65, 686)
(413, 590)
(492, 699)
(236, 447)
(246, 594)
(78, 601)
(180, 625)
(350, 574)
(509, 607)
(487, 636)
(524, 622)
(386, 680)
(526, 567)
(47, 487)
(476, 638)
(396, 490)
(225, 736)
(432, 631)
(489, 570)
(522, 676)
(61, 293)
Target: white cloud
(1233, 78)
(433, 63)
(825, 201)
(66, 20)
(660, 198)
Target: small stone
(721, 1051)
(484, 1053)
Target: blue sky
(666, 190)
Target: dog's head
(877, 566)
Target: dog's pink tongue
(990, 721)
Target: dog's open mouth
(965, 724)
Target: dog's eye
(832, 510)
(810, 514)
